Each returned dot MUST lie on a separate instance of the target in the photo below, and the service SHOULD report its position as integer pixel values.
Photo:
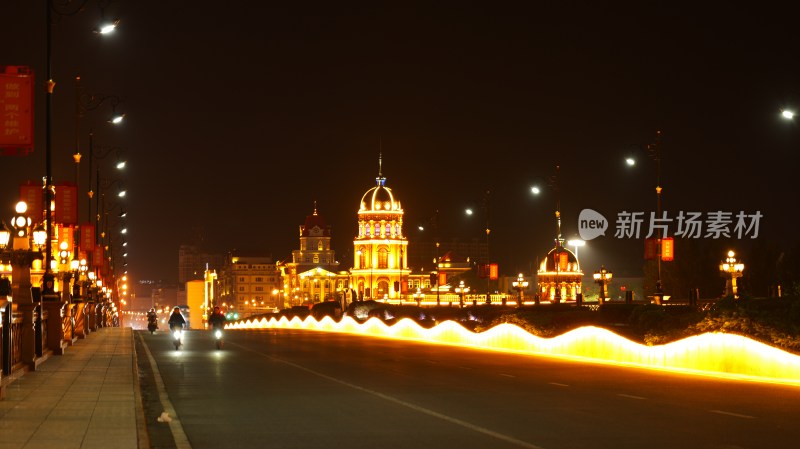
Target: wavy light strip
(717, 354)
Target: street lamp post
(461, 290)
(733, 268)
(51, 7)
(602, 278)
(419, 297)
(576, 243)
(520, 284)
(654, 149)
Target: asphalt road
(304, 389)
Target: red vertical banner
(65, 234)
(442, 279)
(16, 110)
(649, 249)
(98, 256)
(66, 203)
(667, 249)
(494, 272)
(87, 237)
(31, 193)
(563, 260)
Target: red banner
(66, 203)
(667, 249)
(65, 234)
(31, 193)
(442, 278)
(99, 256)
(649, 249)
(87, 237)
(16, 111)
(494, 272)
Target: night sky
(240, 117)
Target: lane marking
(736, 415)
(558, 384)
(507, 375)
(397, 401)
(630, 396)
(181, 441)
(465, 367)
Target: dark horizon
(238, 122)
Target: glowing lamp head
(787, 114)
(5, 235)
(39, 236)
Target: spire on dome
(315, 207)
(380, 179)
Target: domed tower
(559, 276)
(311, 276)
(379, 250)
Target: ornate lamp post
(733, 268)
(461, 290)
(419, 297)
(520, 284)
(602, 278)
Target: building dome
(560, 259)
(315, 225)
(379, 199)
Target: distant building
(247, 285)
(380, 269)
(192, 263)
(313, 274)
(559, 277)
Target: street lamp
(61, 9)
(602, 278)
(419, 297)
(654, 149)
(520, 284)
(787, 114)
(733, 268)
(461, 290)
(575, 243)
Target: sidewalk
(86, 398)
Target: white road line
(737, 415)
(630, 396)
(464, 367)
(507, 375)
(175, 426)
(558, 384)
(414, 407)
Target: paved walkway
(86, 398)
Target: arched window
(388, 229)
(383, 258)
(362, 258)
(320, 245)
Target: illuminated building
(380, 269)
(312, 276)
(559, 277)
(246, 285)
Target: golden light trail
(716, 354)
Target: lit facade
(380, 268)
(559, 277)
(246, 285)
(313, 275)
